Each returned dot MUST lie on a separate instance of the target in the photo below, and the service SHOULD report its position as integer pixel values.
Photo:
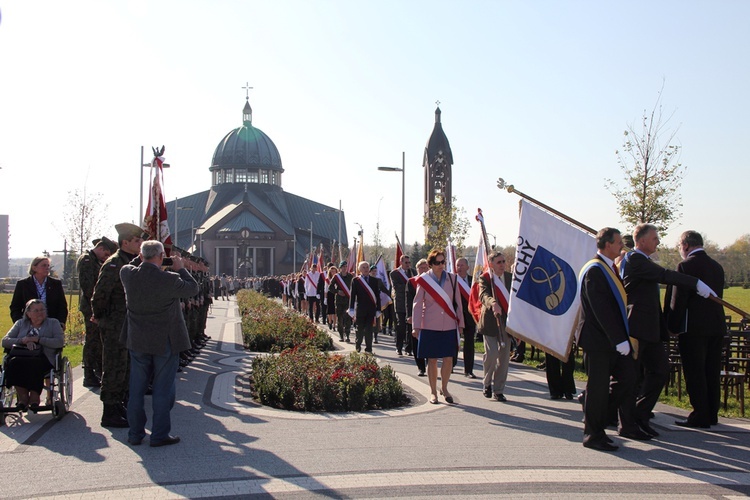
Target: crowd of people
(144, 323)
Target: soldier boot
(112, 417)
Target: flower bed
(305, 379)
(268, 327)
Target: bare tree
(652, 173)
(84, 216)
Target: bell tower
(437, 163)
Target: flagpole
(486, 240)
(511, 189)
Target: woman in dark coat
(40, 285)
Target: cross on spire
(247, 88)
(438, 103)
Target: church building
(246, 224)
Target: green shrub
(269, 327)
(305, 379)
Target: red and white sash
(403, 275)
(369, 291)
(465, 288)
(437, 293)
(501, 293)
(342, 285)
(313, 283)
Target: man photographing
(154, 334)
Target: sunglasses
(439, 262)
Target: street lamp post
(403, 190)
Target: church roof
(245, 220)
(246, 147)
(438, 142)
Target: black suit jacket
(603, 327)
(687, 311)
(365, 308)
(642, 278)
(57, 306)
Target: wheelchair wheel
(58, 410)
(66, 384)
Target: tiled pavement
(232, 447)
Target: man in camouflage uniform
(108, 305)
(88, 266)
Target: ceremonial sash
(501, 293)
(465, 289)
(311, 281)
(614, 283)
(342, 285)
(403, 275)
(438, 294)
(369, 291)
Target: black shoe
(165, 442)
(375, 341)
(636, 434)
(556, 396)
(469, 375)
(399, 352)
(646, 427)
(600, 446)
(421, 373)
(487, 392)
(542, 366)
(408, 352)
(341, 338)
(135, 442)
(112, 419)
(582, 398)
(568, 396)
(500, 397)
(693, 425)
(517, 359)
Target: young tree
(446, 221)
(83, 218)
(652, 173)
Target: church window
(230, 175)
(253, 176)
(264, 176)
(240, 175)
(220, 177)
(273, 178)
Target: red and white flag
(351, 265)
(480, 262)
(399, 253)
(155, 220)
(320, 258)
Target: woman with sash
(437, 321)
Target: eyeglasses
(500, 261)
(439, 262)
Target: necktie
(617, 271)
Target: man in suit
(491, 325)
(470, 327)
(610, 368)
(702, 327)
(155, 333)
(366, 295)
(341, 288)
(400, 278)
(642, 277)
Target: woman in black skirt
(39, 334)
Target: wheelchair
(58, 386)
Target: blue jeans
(163, 369)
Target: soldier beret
(342, 263)
(627, 240)
(126, 231)
(96, 242)
(373, 267)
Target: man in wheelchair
(32, 344)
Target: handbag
(21, 351)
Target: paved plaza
(232, 447)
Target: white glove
(704, 290)
(352, 313)
(623, 348)
(377, 314)
(317, 296)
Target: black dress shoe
(693, 425)
(500, 397)
(646, 427)
(165, 442)
(487, 392)
(470, 375)
(568, 396)
(582, 398)
(636, 434)
(135, 442)
(600, 445)
(555, 396)
(421, 373)
(91, 383)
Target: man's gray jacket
(154, 315)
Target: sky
(535, 92)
